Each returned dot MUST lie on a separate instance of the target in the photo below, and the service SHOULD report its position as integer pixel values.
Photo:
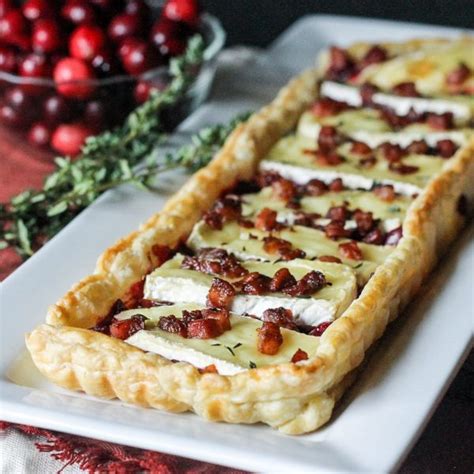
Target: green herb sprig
(108, 160)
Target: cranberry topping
(319, 330)
(446, 148)
(311, 283)
(328, 138)
(376, 54)
(316, 187)
(360, 148)
(46, 36)
(284, 189)
(125, 328)
(269, 338)
(329, 258)
(299, 355)
(86, 42)
(326, 107)
(68, 139)
(458, 75)
(282, 317)
(402, 169)
(221, 293)
(72, 77)
(215, 261)
(350, 250)
(254, 284)
(282, 279)
(385, 192)
(406, 89)
(173, 325)
(391, 152)
(266, 219)
(440, 121)
(186, 11)
(394, 236)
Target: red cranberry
(104, 63)
(123, 26)
(5, 5)
(95, 114)
(9, 116)
(72, 77)
(103, 4)
(12, 25)
(16, 97)
(34, 66)
(39, 135)
(142, 91)
(56, 109)
(36, 9)
(140, 57)
(46, 37)
(137, 7)
(7, 60)
(458, 75)
(86, 42)
(186, 11)
(173, 47)
(374, 55)
(446, 148)
(319, 330)
(68, 138)
(162, 30)
(78, 12)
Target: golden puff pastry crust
(295, 398)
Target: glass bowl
(37, 107)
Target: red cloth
(24, 167)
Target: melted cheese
(232, 352)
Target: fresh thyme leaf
(216, 344)
(237, 345)
(252, 365)
(230, 350)
(24, 238)
(394, 209)
(357, 266)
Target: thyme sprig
(122, 155)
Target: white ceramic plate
(380, 417)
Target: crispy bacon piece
(306, 219)
(215, 261)
(329, 258)
(173, 325)
(350, 250)
(204, 328)
(316, 187)
(328, 159)
(418, 147)
(403, 169)
(213, 220)
(364, 221)
(266, 219)
(284, 189)
(311, 283)
(328, 138)
(406, 89)
(360, 148)
(246, 223)
(221, 294)
(282, 317)
(124, 328)
(335, 230)
(209, 369)
(274, 245)
(192, 315)
(225, 209)
(376, 54)
(458, 75)
(338, 213)
(269, 338)
(162, 253)
(341, 65)
(267, 178)
(367, 91)
(385, 192)
(336, 185)
(299, 355)
(319, 330)
(254, 284)
(446, 148)
(391, 152)
(374, 237)
(394, 236)
(220, 315)
(440, 121)
(368, 162)
(326, 107)
(282, 279)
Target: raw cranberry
(446, 148)
(5, 5)
(86, 42)
(458, 75)
(123, 26)
(139, 58)
(46, 37)
(7, 60)
(137, 7)
(39, 135)
(95, 114)
(172, 47)
(143, 89)
(12, 25)
(34, 66)
(36, 9)
(72, 77)
(186, 11)
(162, 30)
(319, 330)
(10, 116)
(78, 12)
(68, 138)
(56, 109)
(20, 100)
(104, 63)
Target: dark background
(258, 22)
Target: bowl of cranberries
(73, 68)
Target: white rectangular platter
(384, 412)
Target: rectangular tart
(257, 291)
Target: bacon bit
(266, 219)
(329, 258)
(306, 219)
(328, 138)
(336, 185)
(368, 162)
(284, 189)
(418, 147)
(269, 338)
(338, 213)
(123, 329)
(311, 283)
(192, 315)
(299, 355)
(173, 325)
(376, 54)
(394, 236)
(374, 237)
(316, 187)
(326, 107)
(282, 279)
(440, 121)
(403, 169)
(226, 209)
(215, 261)
(385, 192)
(446, 148)
(221, 294)
(213, 220)
(282, 317)
(328, 159)
(406, 89)
(364, 221)
(209, 369)
(267, 178)
(254, 284)
(246, 223)
(350, 250)
(360, 148)
(274, 245)
(335, 230)
(391, 152)
(396, 121)
(204, 329)
(367, 91)
(220, 315)
(458, 75)
(319, 330)
(162, 252)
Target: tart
(257, 291)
